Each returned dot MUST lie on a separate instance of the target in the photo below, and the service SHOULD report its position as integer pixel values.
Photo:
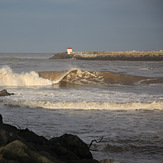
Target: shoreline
(112, 55)
(22, 145)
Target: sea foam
(9, 78)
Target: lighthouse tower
(69, 50)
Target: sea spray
(9, 78)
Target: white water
(9, 78)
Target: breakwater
(112, 55)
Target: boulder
(61, 152)
(2, 160)
(23, 145)
(4, 137)
(76, 145)
(8, 133)
(30, 136)
(1, 119)
(18, 151)
(5, 93)
(70, 147)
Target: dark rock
(21, 146)
(2, 160)
(18, 151)
(76, 145)
(8, 133)
(62, 55)
(5, 93)
(70, 147)
(30, 136)
(62, 153)
(34, 141)
(4, 137)
(11, 129)
(1, 119)
(7, 136)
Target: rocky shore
(113, 55)
(24, 146)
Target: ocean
(118, 103)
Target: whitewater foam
(9, 78)
(84, 105)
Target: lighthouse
(69, 50)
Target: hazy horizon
(50, 26)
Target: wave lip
(95, 78)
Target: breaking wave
(9, 78)
(71, 78)
(95, 78)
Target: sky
(50, 26)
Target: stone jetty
(112, 55)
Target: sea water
(117, 102)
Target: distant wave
(85, 77)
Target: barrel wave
(95, 78)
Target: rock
(9, 128)
(1, 119)
(2, 160)
(70, 147)
(34, 141)
(30, 136)
(76, 145)
(23, 145)
(62, 55)
(18, 151)
(62, 153)
(8, 133)
(8, 136)
(5, 93)
(4, 137)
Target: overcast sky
(85, 25)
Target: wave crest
(71, 78)
(98, 78)
(9, 78)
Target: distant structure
(69, 50)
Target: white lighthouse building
(69, 50)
